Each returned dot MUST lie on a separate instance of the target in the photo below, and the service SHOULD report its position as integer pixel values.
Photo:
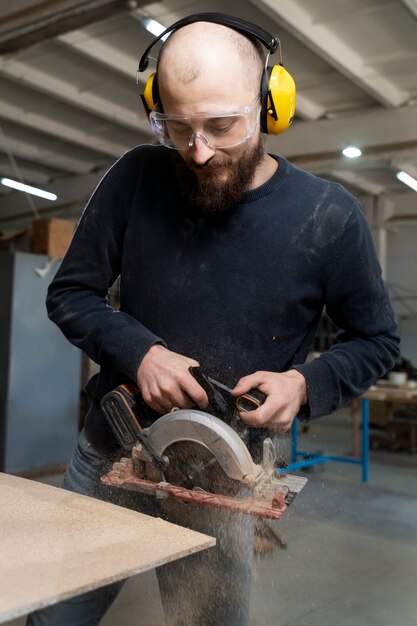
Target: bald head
(210, 55)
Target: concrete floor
(352, 548)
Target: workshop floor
(351, 558)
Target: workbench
(57, 544)
(392, 396)
(310, 458)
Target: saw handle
(247, 402)
(117, 407)
(220, 396)
(121, 407)
(216, 399)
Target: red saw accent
(123, 476)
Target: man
(226, 257)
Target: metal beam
(50, 158)
(24, 220)
(50, 18)
(64, 132)
(360, 182)
(59, 89)
(341, 55)
(307, 109)
(101, 52)
(412, 6)
(29, 174)
(340, 11)
(324, 164)
(375, 131)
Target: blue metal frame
(309, 458)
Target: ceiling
(69, 103)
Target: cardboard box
(52, 236)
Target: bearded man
(226, 256)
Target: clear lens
(222, 130)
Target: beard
(210, 193)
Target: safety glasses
(219, 130)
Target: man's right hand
(165, 382)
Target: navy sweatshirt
(239, 293)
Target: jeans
(209, 588)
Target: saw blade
(222, 442)
(192, 465)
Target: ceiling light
(407, 180)
(34, 191)
(352, 152)
(154, 27)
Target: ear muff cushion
(264, 99)
(280, 100)
(150, 95)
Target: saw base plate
(122, 475)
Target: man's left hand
(286, 393)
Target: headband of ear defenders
(243, 26)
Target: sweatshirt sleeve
(358, 303)
(77, 299)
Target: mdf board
(40, 371)
(57, 544)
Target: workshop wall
(402, 269)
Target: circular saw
(194, 456)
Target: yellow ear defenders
(277, 91)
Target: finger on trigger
(248, 382)
(243, 386)
(196, 392)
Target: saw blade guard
(212, 433)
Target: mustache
(211, 164)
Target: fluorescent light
(352, 152)
(407, 180)
(154, 27)
(34, 191)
